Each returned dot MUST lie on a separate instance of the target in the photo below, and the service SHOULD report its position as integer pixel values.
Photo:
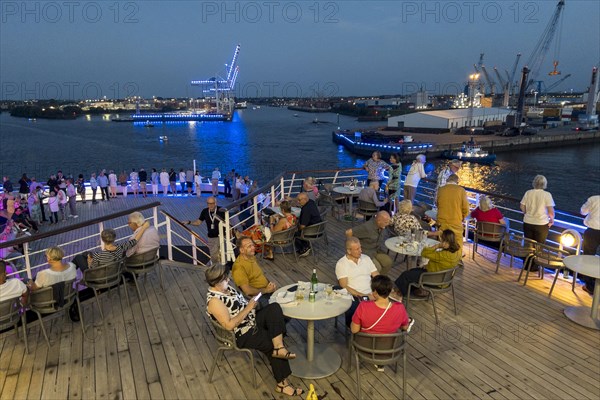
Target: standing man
(149, 239)
(372, 235)
(189, 180)
(591, 236)
(211, 216)
(452, 168)
(354, 272)
(103, 183)
(72, 193)
(230, 178)
(453, 207)
(143, 176)
(309, 215)
(247, 274)
(216, 175)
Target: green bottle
(314, 282)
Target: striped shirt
(110, 256)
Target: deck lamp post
(572, 239)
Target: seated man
(149, 240)
(370, 195)
(11, 288)
(247, 274)
(354, 272)
(372, 235)
(309, 215)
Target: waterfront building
(449, 119)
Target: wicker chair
(434, 283)
(227, 340)
(42, 302)
(10, 315)
(379, 349)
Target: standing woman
(112, 182)
(198, 183)
(374, 165)
(393, 184)
(414, 176)
(123, 183)
(261, 330)
(538, 210)
(94, 187)
(154, 181)
(164, 181)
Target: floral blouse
(404, 223)
(235, 303)
(374, 168)
(394, 182)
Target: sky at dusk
(89, 49)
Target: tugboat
(470, 152)
(163, 138)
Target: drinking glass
(329, 291)
(300, 294)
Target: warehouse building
(449, 119)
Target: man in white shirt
(11, 288)
(149, 240)
(354, 272)
(591, 236)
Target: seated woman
(403, 221)
(58, 271)
(112, 252)
(486, 212)
(442, 256)
(281, 223)
(382, 315)
(261, 330)
(310, 187)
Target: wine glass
(329, 292)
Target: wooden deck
(507, 341)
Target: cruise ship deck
(507, 341)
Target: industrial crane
(555, 84)
(489, 81)
(511, 77)
(538, 55)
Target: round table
(589, 266)
(319, 360)
(349, 194)
(393, 244)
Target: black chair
(546, 256)
(379, 349)
(142, 264)
(10, 315)
(367, 209)
(488, 232)
(434, 283)
(314, 233)
(104, 277)
(43, 302)
(283, 239)
(227, 340)
(515, 245)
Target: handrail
(181, 224)
(83, 224)
(272, 182)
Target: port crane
(589, 121)
(223, 87)
(536, 59)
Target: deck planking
(507, 341)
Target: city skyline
(77, 50)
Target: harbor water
(261, 143)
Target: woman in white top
(154, 180)
(414, 176)
(58, 271)
(538, 210)
(164, 181)
(112, 183)
(198, 183)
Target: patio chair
(142, 264)
(434, 283)
(283, 239)
(379, 349)
(327, 200)
(104, 277)
(227, 340)
(488, 232)
(515, 245)
(549, 257)
(365, 208)
(314, 233)
(44, 301)
(10, 315)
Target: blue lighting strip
(385, 146)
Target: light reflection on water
(262, 143)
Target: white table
(349, 194)
(433, 215)
(295, 210)
(590, 266)
(319, 360)
(393, 244)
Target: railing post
(255, 204)
(194, 251)
(291, 184)
(282, 191)
(273, 199)
(101, 228)
(27, 262)
(169, 240)
(335, 177)
(155, 215)
(225, 245)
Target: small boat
(470, 152)
(148, 125)
(296, 115)
(163, 138)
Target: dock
(506, 342)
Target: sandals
(296, 391)
(286, 356)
